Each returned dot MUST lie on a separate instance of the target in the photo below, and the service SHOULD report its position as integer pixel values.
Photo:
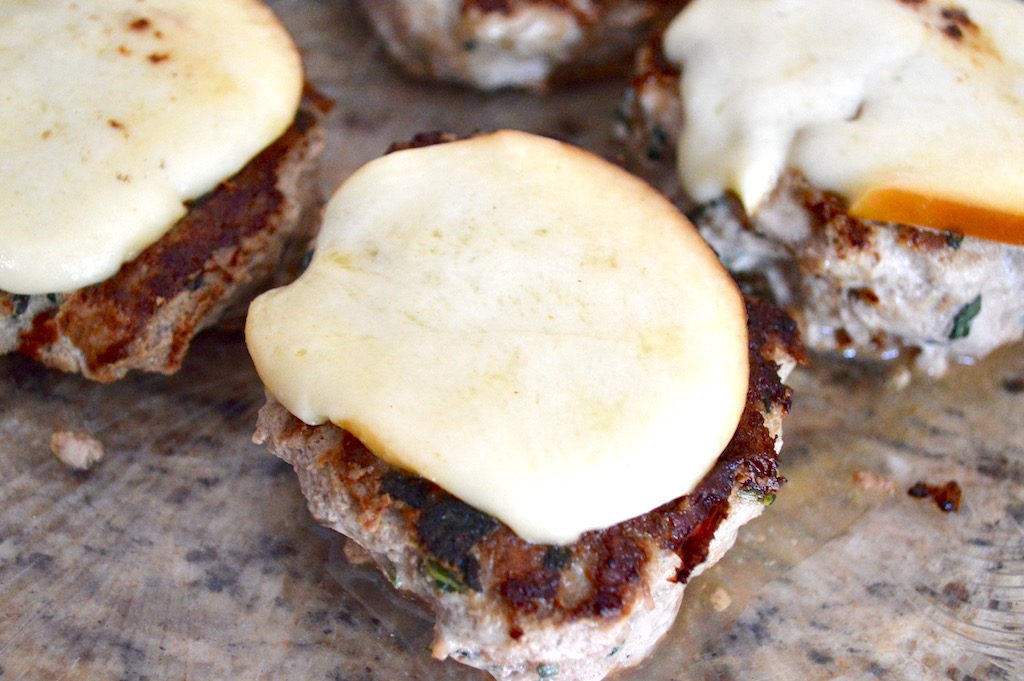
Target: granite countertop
(188, 553)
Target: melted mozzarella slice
(523, 323)
(115, 113)
(912, 111)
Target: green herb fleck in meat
(966, 315)
(954, 240)
(547, 671)
(445, 579)
(765, 498)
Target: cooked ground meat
(513, 607)
(232, 242)
(857, 287)
(492, 44)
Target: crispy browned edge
(231, 240)
(478, 553)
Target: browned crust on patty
(596, 60)
(591, 39)
(829, 212)
(573, 7)
(425, 139)
(230, 242)
(598, 577)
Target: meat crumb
(946, 497)
(873, 482)
(80, 451)
(720, 599)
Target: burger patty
(492, 44)
(231, 243)
(522, 610)
(859, 287)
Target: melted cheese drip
(891, 104)
(526, 325)
(115, 113)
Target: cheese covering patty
(115, 113)
(530, 327)
(913, 111)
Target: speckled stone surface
(187, 551)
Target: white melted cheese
(114, 113)
(857, 94)
(530, 327)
